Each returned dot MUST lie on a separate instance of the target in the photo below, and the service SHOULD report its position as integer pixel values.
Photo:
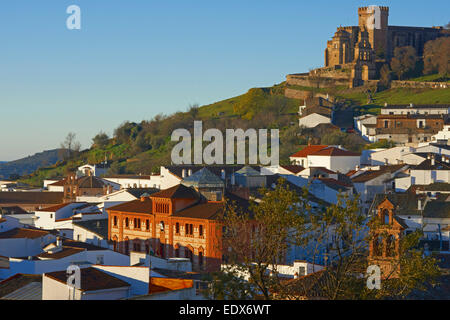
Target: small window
(177, 228)
(147, 224)
(127, 223)
(115, 221)
(200, 231)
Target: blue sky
(133, 59)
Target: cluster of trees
(405, 62)
(257, 240)
(436, 57)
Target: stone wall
(297, 94)
(316, 82)
(419, 84)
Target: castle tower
(375, 20)
(337, 51)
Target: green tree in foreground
(255, 242)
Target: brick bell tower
(376, 20)
(384, 247)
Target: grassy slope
(224, 109)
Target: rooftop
(23, 233)
(47, 198)
(203, 178)
(99, 227)
(92, 279)
(177, 192)
(307, 151)
(21, 287)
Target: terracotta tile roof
(31, 197)
(367, 176)
(65, 252)
(82, 245)
(335, 184)
(135, 206)
(59, 183)
(22, 233)
(12, 210)
(98, 227)
(322, 169)
(426, 165)
(90, 182)
(16, 282)
(307, 151)
(334, 152)
(177, 192)
(53, 208)
(91, 279)
(293, 168)
(208, 210)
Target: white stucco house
(61, 216)
(430, 171)
(17, 240)
(443, 135)
(391, 156)
(136, 181)
(96, 170)
(312, 120)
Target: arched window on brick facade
(378, 246)
(385, 216)
(127, 246)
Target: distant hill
(29, 164)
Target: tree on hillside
(101, 140)
(193, 111)
(404, 61)
(436, 56)
(70, 147)
(123, 133)
(250, 103)
(385, 76)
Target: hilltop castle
(360, 46)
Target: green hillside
(30, 164)
(144, 147)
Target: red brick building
(176, 222)
(384, 248)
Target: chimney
(411, 105)
(385, 104)
(98, 224)
(419, 205)
(189, 172)
(142, 199)
(433, 160)
(183, 173)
